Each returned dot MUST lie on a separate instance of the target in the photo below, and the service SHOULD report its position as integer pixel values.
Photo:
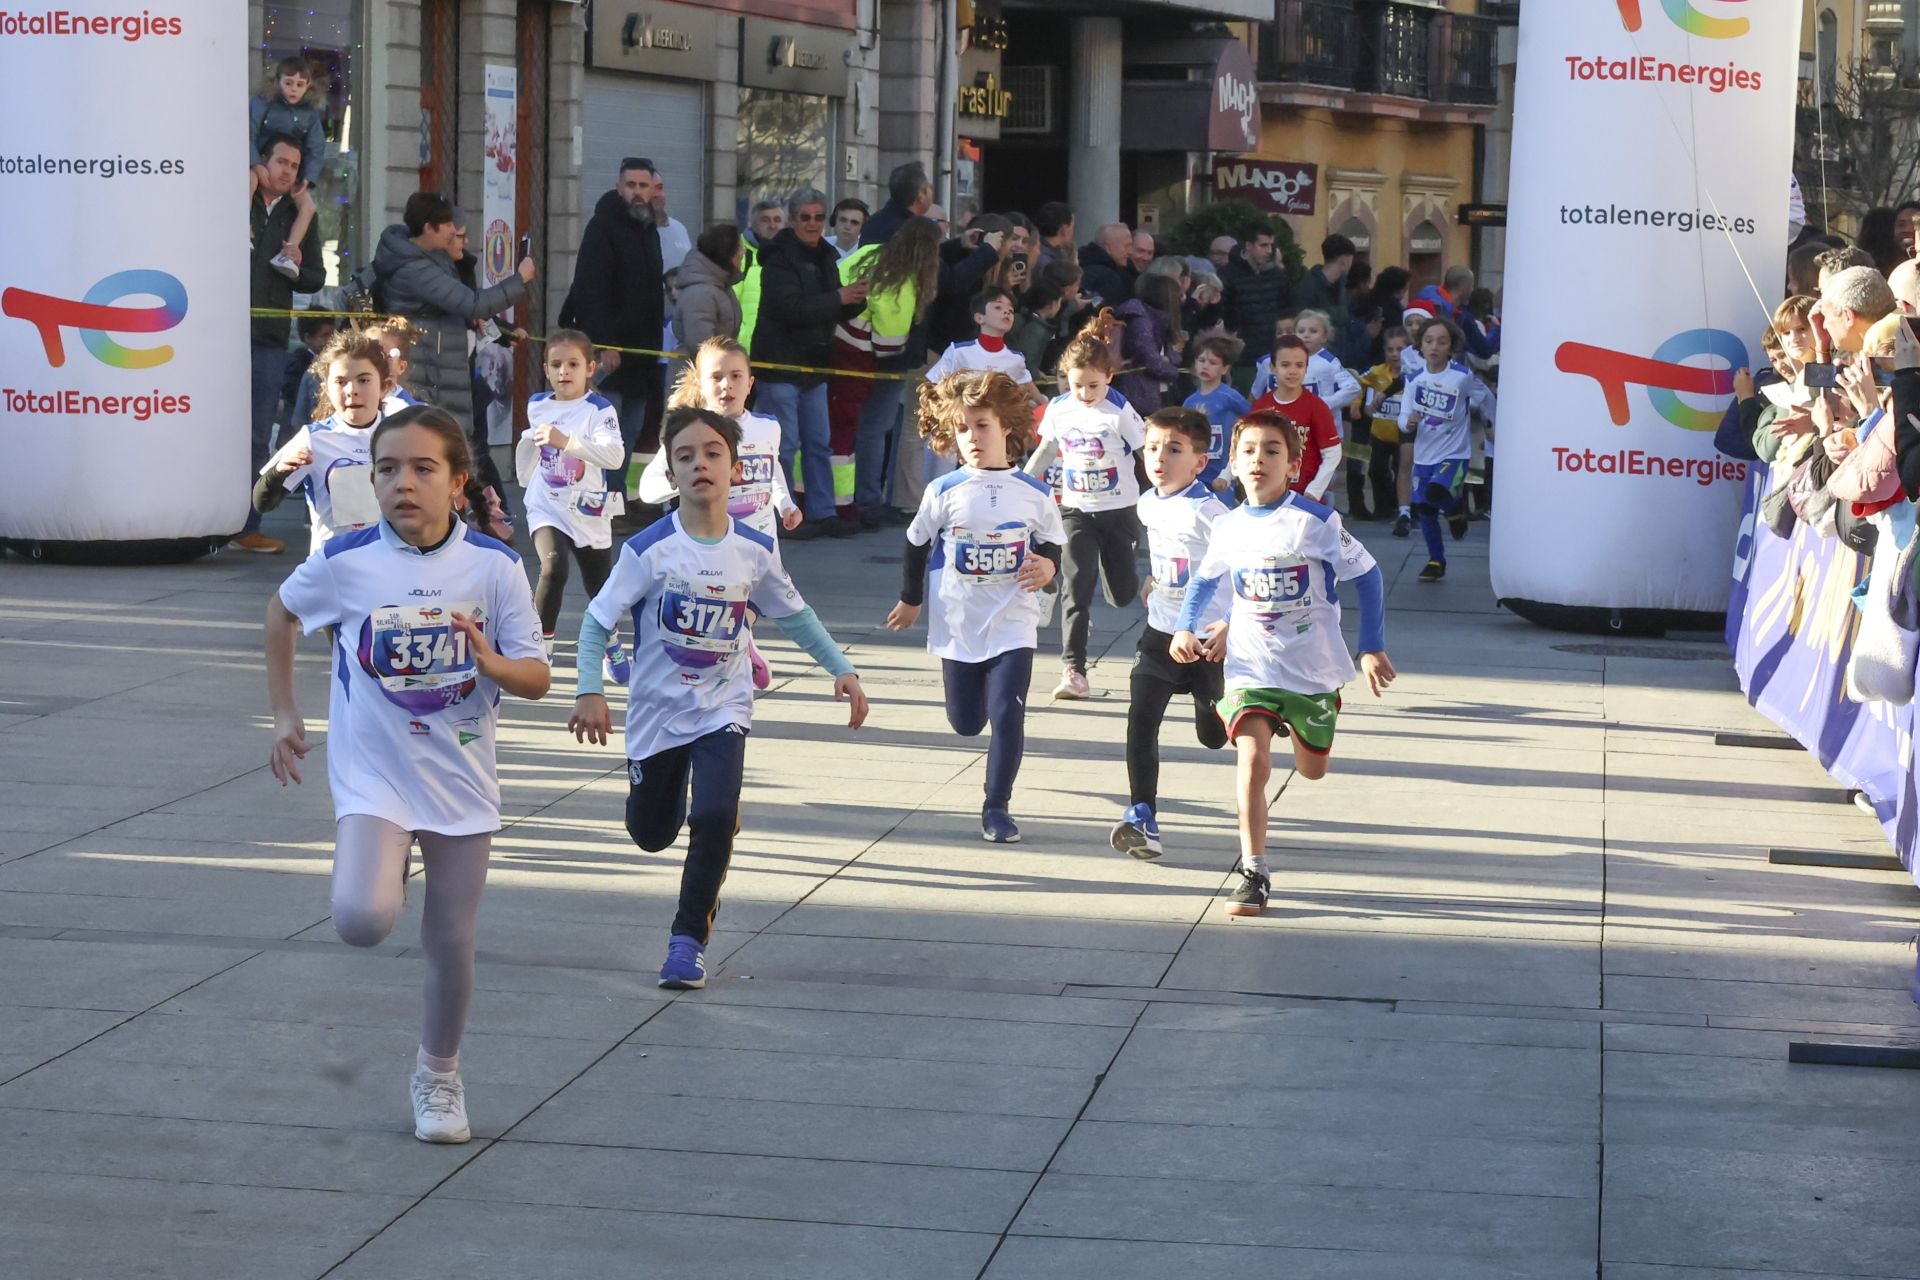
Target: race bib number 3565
(990, 557)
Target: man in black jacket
(279, 200)
(617, 297)
(801, 301)
(909, 194)
(1104, 270)
(1325, 287)
(1257, 291)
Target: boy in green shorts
(1280, 556)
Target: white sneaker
(439, 1106)
(284, 265)
(1073, 686)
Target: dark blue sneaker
(998, 826)
(686, 967)
(1138, 833)
(619, 665)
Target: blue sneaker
(686, 967)
(998, 826)
(619, 665)
(1137, 833)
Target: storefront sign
(123, 291)
(794, 59)
(499, 174)
(1233, 125)
(1611, 493)
(1276, 186)
(653, 37)
(1192, 94)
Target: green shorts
(1309, 716)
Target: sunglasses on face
(809, 217)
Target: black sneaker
(805, 531)
(835, 527)
(870, 521)
(1435, 570)
(1249, 897)
(1457, 523)
(1402, 525)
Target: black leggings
(697, 786)
(1383, 468)
(1156, 679)
(552, 546)
(994, 691)
(1099, 544)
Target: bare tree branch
(1867, 132)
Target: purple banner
(1791, 622)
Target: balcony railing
(1386, 47)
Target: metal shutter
(662, 120)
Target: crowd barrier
(1791, 623)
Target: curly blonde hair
(945, 404)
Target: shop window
(327, 34)
(786, 143)
(1360, 233)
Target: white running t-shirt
(982, 526)
(337, 482)
(410, 720)
(1096, 443)
(567, 488)
(1178, 527)
(759, 500)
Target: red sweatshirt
(1309, 413)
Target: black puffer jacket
(1254, 300)
(617, 297)
(426, 288)
(1103, 278)
(799, 307)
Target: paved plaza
(1520, 1008)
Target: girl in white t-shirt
(719, 379)
(328, 460)
(429, 622)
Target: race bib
(755, 490)
(591, 503)
(1217, 443)
(1171, 575)
(1272, 590)
(1435, 402)
(1092, 480)
(560, 469)
(989, 557)
(350, 496)
(701, 624)
(418, 658)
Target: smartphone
(526, 245)
(1818, 375)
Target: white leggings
(369, 871)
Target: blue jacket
(1479, 342)
(302, 123)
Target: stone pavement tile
(839, 1191)
(1774, 1210)
(337, 987)
(179, 1230)
(1370, 902)
(1885, 1004)
(1545, 1232)
(1819, 962)
(1806, 1126)
(490, 1241)
(1276, 956)
(785, 955)
(1659, 1271)
(1757, 1081)
(1344, 1020)
(1407, 1162)
(128, 798)
(165, 1149)
(841, 1080)
(1711, 1042)
(933, 1003)
(39, 1034)
(864, 902)
(192, 917)
(587, 1115)
(103, 975)
(1040, 1258)
(882, 1035)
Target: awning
(1191, 95)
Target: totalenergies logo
(1665, 375)
(96, 316)
(1686, 15)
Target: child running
(1178, 513)
(572, 437)
(1214, 355)
(685, 583)
(430, 622)
(721, 378)
(1095, 434)
(1286, 660)
(1391, 467)
(396, 335)
(1438, 408)
(992, 536)
(1292, 400)
(329, 460)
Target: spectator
(1143, 251)
(974, 262)
(675, 241)
(418, 280)
(1220, 252)
(1852, 302)
(909, 194)
(1205, 307)
(302, 386)
(1054, 222)
(1325, 287)
(1258, 291)
(938, 215)
(706, 306)
(849, 219)
(1447, 301)
(1803, 269)
(1876, 239)
(618, 297)
(1906, 228)
(1104, 265)
(801, 302)
(271, 217)
(1151, 342)
(1036, 328)
(1022, 254)
(290, 110)
(764, 222)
